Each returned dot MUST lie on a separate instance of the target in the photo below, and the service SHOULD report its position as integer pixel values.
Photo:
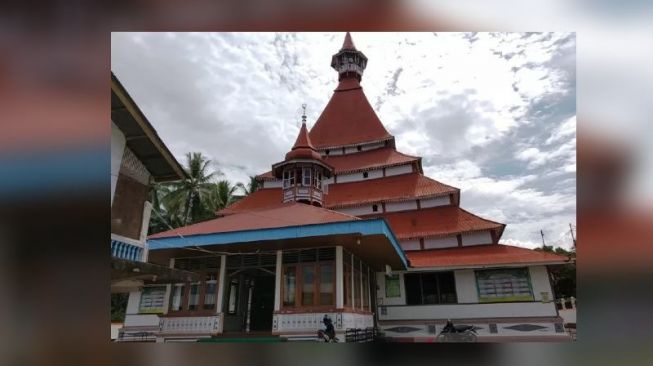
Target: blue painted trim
(364, 227)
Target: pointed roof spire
(303, 148)
(348, 44)
(303, 141)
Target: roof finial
(304, 113)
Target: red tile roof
(281, 215)
(437, 221)
(395, 188)
(481, 255)
(260, 199)
(347, 119)
(366, 160)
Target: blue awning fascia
(363, 227)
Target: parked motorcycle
(328, 335)
(457, 333)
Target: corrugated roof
(281, 215)
(395, 188)
(481, 255)
(347, 119)
(437, 221)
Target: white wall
(400, 206)
(466, 286)
(380, 293)
(458, 311)
(141, 320)
(375, 145)
(467, 298)
(272, 184)
(409, 244)
(358, 210)
(354, 177)
(482, 237)
(446, 242)
(117, 150)
(396, 170)
(540, 282)
(436, 201)
(133, 302)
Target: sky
(493, 114)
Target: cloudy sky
(493, 114)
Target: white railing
(566, 303)
(190, 325)
(311, 322)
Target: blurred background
(54, 165)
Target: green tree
(188, 197)
(223, 194)
(252, 186)
(563, 277)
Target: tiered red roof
(279, 215)
(348, 119)
(395, 188)
(481, 255)
(437, 221)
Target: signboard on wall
(152, 300)
(504, 285)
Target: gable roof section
(281, 215)
(262, 198)
(347, 119)
(481, 255)
(142, 138)
(437, 221)
(395, 188)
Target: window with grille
(430, 288)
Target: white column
(353, 289)
(277, 281)
(360, 270)
(221, 283)
(145, 225)
(166, 304)
(369, 290)
(339, 279)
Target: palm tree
(252, 186)
(189, 197)
(222, 195)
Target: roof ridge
(482, 218)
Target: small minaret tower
(349, 62)
(303, 170)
